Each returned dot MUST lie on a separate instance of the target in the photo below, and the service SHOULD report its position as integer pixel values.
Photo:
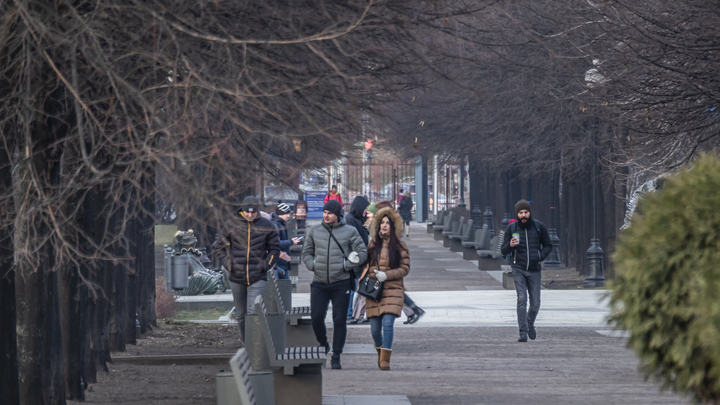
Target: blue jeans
(381, 328)
(527, 283)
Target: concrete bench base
(508, 281)
(446, 241)
(470, 254)
(430, 228)
(437, 234)
(261, 382)
(488, 263)
(456, 245)
(302, 388)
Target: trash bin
(179, 271)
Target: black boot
(418, 313)
(335, 362)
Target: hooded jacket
(535, 245)
(355, 217)
(394, 287)
(285, 241)
(254, 248)
(322, 255)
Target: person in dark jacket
(528, 242)
(249, 246)
(356, 218)
(280, 218)
(405, 211)
(330, 251)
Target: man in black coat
(528, 241)
(248, 248)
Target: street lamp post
(553, 260)
(595, 254)
(488, 215)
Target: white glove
(380, 275)
(353, 258)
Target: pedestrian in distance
(388, 262)
(334, 195)
(280, 218)
(330, 251)
(248, 248)
(356, 218)
(528, 241)
(405, 210)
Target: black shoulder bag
(370, 288)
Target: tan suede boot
(385, 359)
(378, 348)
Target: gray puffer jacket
(322, 255)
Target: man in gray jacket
(331, 250)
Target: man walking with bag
(331, 250)
(528, 242)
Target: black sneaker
(327, 348)
(532, 334)
(522, 338)
(335, 363)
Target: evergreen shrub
(667, 290)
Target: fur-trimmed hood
(394, 216)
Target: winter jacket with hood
(322, 255)
(285, 241)
(356, 218)
(535, 245)
(254, 247)
(394, 287)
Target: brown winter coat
(394, 289)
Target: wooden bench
(455, 228)
(467, 232)
(446, 225)
(481, 242)
(287, 358)
(492, 259)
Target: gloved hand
(380, 275)
(353, 258)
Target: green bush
(667, 292)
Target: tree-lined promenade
(112, 110)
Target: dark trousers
(320, 296)
(527, 283)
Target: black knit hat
(250, 204)
(334, 207)
(522, 205)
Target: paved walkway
(465, 350)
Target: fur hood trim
(394, 216)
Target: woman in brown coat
(389, 262)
